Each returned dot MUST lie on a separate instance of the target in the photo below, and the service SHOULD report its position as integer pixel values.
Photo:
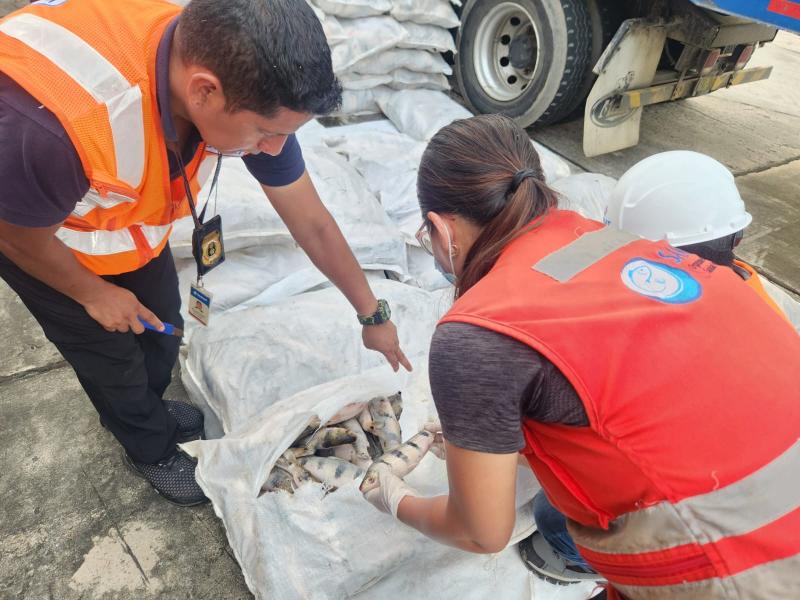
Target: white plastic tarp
(261, 252)
(313, 545)
(388, 162)
(585, 193)
(256, 356)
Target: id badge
(200, 303)
(207, 245)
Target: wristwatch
(379, 317)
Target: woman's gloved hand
(437, 449)
(387, 496)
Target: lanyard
(199, 229)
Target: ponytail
(520, 215)
(486, 170)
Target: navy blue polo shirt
(41, 176)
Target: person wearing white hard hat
(690, 200)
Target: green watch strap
(380, 316)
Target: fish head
(370, 482)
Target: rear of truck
(543, 61)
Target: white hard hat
(681, 196)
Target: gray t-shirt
(484, 384)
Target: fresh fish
(385, 425)
(360, 444)
(346, 452)
(333, 472)
(279, 480)
(293, 468)
(396, 401)
(365, 419)
(401, 460)
(299, 452)
(375, 448)
(313, 424)
(351, 411)
(328, 437)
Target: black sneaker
(190, 420)
(172, 477)
(542, 561)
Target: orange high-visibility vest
(686, 483)
(92, 63)
(754, 282)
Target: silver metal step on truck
(543, 61)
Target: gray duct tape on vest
(563, 264)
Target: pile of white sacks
(382, 46)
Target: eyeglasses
(423, 236)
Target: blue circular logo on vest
(660, 282)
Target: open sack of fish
(353, 445)
(287, 488)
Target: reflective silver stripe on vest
(97, 243)
(749, 504)
(155, 234)
(566, 262)
(103, 243)
(770, 581)
(99, 78)
(93, 200)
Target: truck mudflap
(625, 73)
(628, 63)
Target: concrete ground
(75, 523)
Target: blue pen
(169, 328)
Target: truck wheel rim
(500, 79)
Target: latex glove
(437, 448)
(383, 338)
(387, 496)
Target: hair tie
(519, 177)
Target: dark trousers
(123, 374)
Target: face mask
(449, 276)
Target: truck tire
(528, 59)
(606, 17)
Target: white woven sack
(359, 82)
(365, 37)
(403, 79)
(421, 61)
(334, 32)
(425, 12)
(426, 37)
(352, 9)
(361, 102)
(421, 113)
